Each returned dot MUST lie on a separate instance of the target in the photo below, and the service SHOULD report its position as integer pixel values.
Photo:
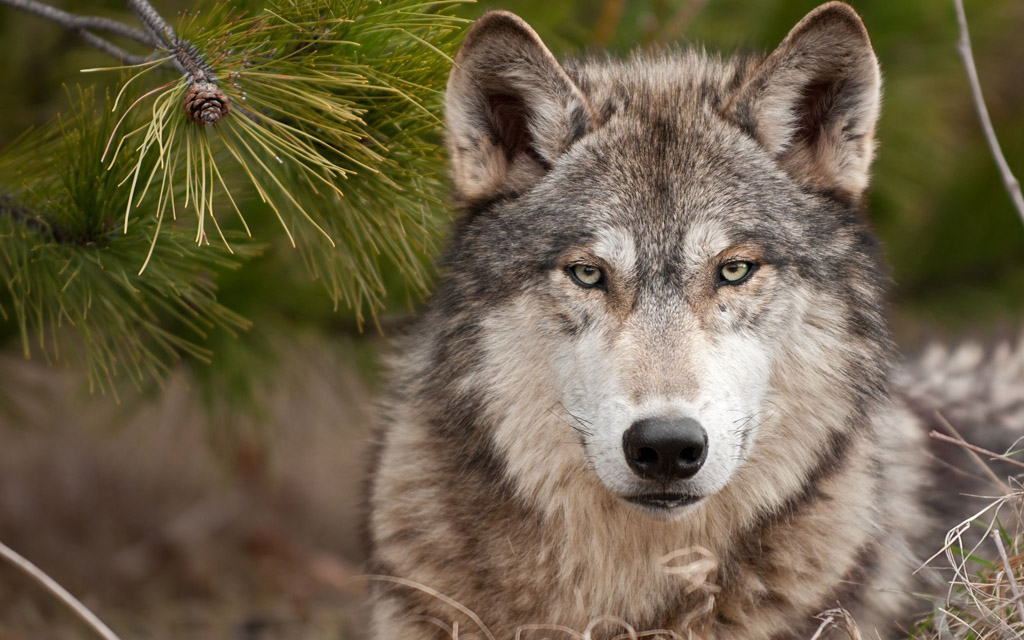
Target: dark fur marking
(578, 125)
(951, 466)
(864, 567)
(568, 325)
(459, 422)
(609, 110)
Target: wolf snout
(665, 449)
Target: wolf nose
(665, 448)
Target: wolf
(658, 342)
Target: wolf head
(660, 283)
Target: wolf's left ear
(813, 103)
(510, 108)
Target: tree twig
(188, 60)
(110, 49)
(158, 33)
(82, 24)
(51, 585)
(154, 23)
(72, 21)
(985, 452)
(964, 48)
(973, 454)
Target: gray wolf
(660, 329)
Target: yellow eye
(735, 272)
(586, 275)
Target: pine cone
(205, 103)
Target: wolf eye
(735, 272)
(586, 275)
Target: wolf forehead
(660, 169)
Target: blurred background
(223, 500)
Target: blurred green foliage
(358, 80)
(954, 240)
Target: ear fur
(814, 101)
(511, 110)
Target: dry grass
(985, 561)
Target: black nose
(665, 448)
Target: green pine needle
(332, 124)
(70, 274)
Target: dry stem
(964, 47)
(1009, 574)
(51, 585)
(971, 447)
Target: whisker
(582, 426)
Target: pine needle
(318, 92)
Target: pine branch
(964, 48)
(339, 100)
(68, 279)
(338, 142)
(22, 215)
(330, 91)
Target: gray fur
(499, 480)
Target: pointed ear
(813, 103)
(511, 110)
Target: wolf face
(655, 245)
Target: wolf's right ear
(511, 109)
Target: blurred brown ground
(166, 533)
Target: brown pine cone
(205, 103)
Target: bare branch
(964, 47)
(72, 21)
(973, 454)
(970, 447)
(51, 585)
(109, 48)
(81, 24)
(157, 34)
(188, 60)
(154, 23)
